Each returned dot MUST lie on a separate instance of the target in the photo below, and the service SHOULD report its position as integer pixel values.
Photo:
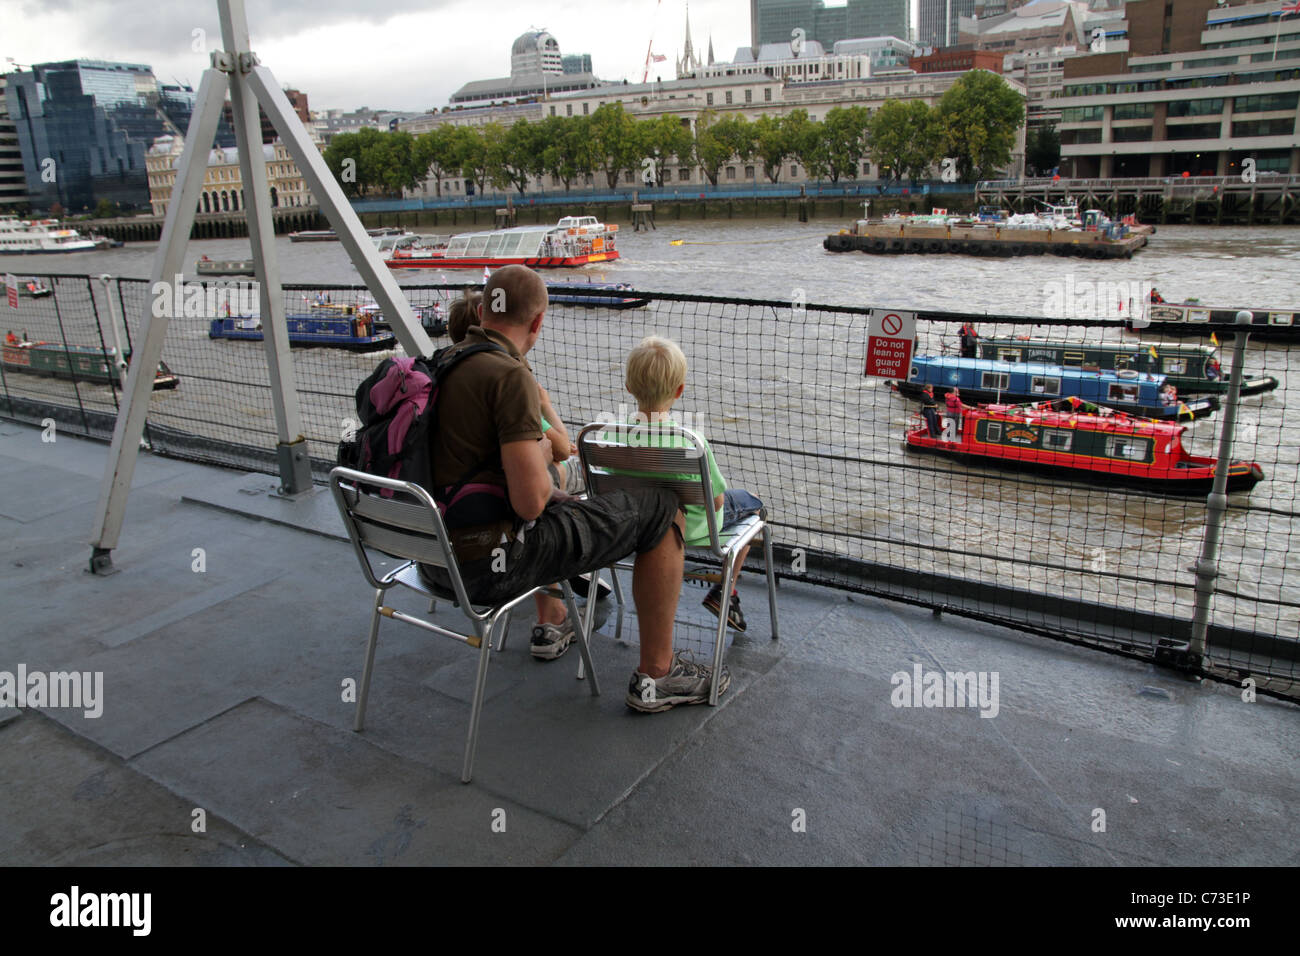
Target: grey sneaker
(550, 641)
(685, 683)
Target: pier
(1194, 200)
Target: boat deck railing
(778, 388)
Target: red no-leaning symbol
(891, 324)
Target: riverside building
(223, 186)
(1201, 87)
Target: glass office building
(84, 127)
(772, 21)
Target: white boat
(18, 236)
(573, 241)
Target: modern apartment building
(13, 184)
(1202, 87)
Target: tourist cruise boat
(19, 236)
(573, 241)
(1108, 447)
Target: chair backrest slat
(400, 543)
(410, 515)
(672, 461)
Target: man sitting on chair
(512, 531)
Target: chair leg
(364, 691)
(580, 628)
(480, 683)
(505, 629)
(771, 575)
(618, 588)
(727, 565)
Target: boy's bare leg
(740, 563)
(656, 586)
(550, 610)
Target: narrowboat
(573, 241)
(432, 317)
(224, 267)
(1189, 318)
(1191, 369)
(320, 327)
(84, 363)
(1109, 448)
(988, 380)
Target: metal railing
(1067, 554)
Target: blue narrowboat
(987, 380)
(317, 328)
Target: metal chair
(619, 456)
(408, 526)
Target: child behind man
(656, 378)
(566, 470)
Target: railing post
(1216, 506)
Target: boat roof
(1027, 368)
(512, 230)
(1116, 421)
(1122, 347)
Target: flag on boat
(1214, 339)
(487, 273)
(1151, 349)
(1184, 410)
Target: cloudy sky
(352, 53)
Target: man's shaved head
(514, 295)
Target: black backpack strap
(443, 364)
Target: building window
(568, 109)
(749, 172)
(731, 172)
(767, 95)
(1129, 111)
(1267, 127)
(1264, 102)
(728, 97)
(749, 96)
(1130, 134)
(794, 171)
(586, 108)
(552, 110)
(683, 175)
(1196, 107)
(709, 99)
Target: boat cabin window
(1123, 361)
(1072, 358)
(1198, 315)
(996, 381)
(1008, 355)
(1128, 448)
(1057, 439)
(495, 242)
(1279, 318)
(1119, 392)
(477, 244)
(1041, 385)
(993, 432)
(1174, 366)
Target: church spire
(710, 49)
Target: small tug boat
(1191, 369)
(84, 363)
(339, 327)
(573, 241)
(1108, 447)
(988, 380)
(33, 288)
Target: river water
(782, 395)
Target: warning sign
(891, 338)
(11, 290)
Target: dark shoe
(686, 683)
(735, 617)
(550, 641)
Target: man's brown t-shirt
(488, 400)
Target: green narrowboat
(1191, 369)
(85, 363)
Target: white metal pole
(295, 467)
(168, 264)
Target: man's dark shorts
(568, 539)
